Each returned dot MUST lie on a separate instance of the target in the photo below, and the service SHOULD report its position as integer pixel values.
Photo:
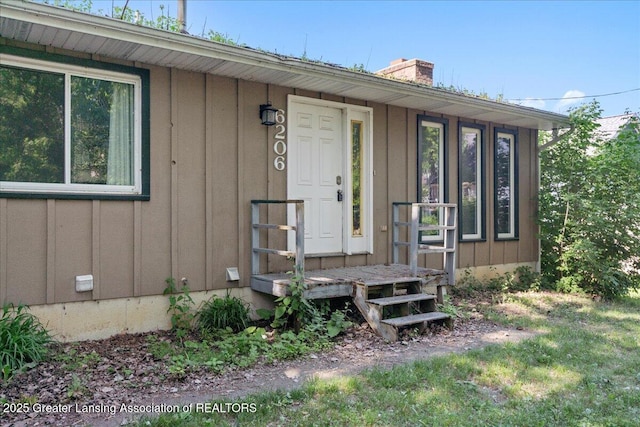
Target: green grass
(23, 340)
(583, 369)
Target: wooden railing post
(298, 228)
(300, 239)
(447, 225)
(451, 236)
(395, 233)
(413, 236)
(255, 238)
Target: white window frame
(362, 243)
(68, 71)
(425, 122)
(511, 136)
(479, 190)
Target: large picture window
(471, 182)
(431, 171)
(66, 129)
(506, 184)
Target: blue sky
(541, 52)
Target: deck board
(336, 282)
(383, 302)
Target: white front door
(316, 173)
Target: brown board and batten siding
(492, 252)
(381, 177)
(210, 156)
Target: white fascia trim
(166, 40)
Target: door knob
(340, 195)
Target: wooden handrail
(447, 223)
(298, 228)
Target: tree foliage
(31, 145)
(590, 208)
(32, 126)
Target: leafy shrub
(311, 317)
(590, 208)
(470, 287)
(527, 279)
(221, 313)
(180, 306)
(295, 310)
(338, 322)
(522, 279)
(23, 340)
(447, 307)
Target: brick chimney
(414, 70)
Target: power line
(574, 97)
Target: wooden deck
(338, 282)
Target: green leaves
(264, 313)
(294, 310)
(590, 208)
(280, 311)
(338, 323)
(23, 340)
(180, 307)
(220, 313)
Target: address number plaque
(280, 141)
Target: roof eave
(352, 84)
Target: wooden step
(398, 280)
(415, 319)
(400, 299)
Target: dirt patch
(121, 371)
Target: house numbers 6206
(280, 141)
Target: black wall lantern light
(268, 114)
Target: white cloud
(570, 98)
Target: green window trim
(130, 183)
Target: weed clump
(521, 280)
(23, 340)
(222, 313)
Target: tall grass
(221, 313)
(23, 340)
